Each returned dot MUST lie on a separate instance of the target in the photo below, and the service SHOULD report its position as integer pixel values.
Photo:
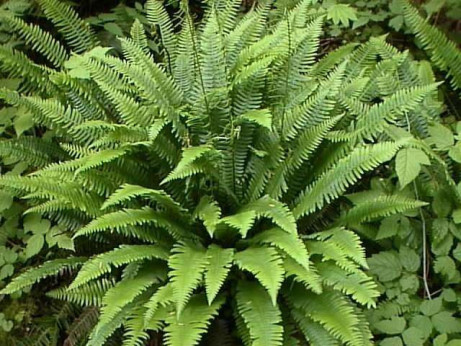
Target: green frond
(157, 15)
(127, 192)
(101, 333)
(317, 107)
(444, 53)
(135, 334)
(313, 331)
(262, 117)
(39, 40)
(346, 242)
(138, 35)
(227, 13)
(331, 310)
(309, 277)
(53, 113)
(82, 325)
(77, 32)
(275, 210)
(243, 221)
(100, 158)
(130, 111)
(348, 170)
(184, 277)
(186, 166)
(219, 263)
(360, 286)
(265, 264)
(247, 31)
(125, 254)
(209, 212)
(290, 244)
(161, 298)
(373, 122)
(186, 329)
(53, 188)
(90, 294)
(123, 220)
(17, 64)
(303, 147)
(381, 206)
(34, 275)
(34, 151)
(261, 317)
(124, 293)
(150, 77)
(213, 77)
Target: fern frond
(90, 294)
(161, 298)
(444, 53)
(346, 241)
(243, 221)
(185, 166)
(157, 15)
(138, 35)
(361, 287)
(17, 64)
(34, 275)
(127, 192)
(380, 206)
(186, 329)
(209, 212)
(77, 33)
(184, 277)
(290, 244)
(122, 220)
(275, 210)
(101, 333)
(135, 334)
(331, 310)
(122, 294)
(348, 170)
(219, 263)
(82, 325)
(265, 264)
(125, 254)
(261, 317)
(309, 277)
(39, 40)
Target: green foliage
(216, 173)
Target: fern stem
(423, 226)
(288, 74)
(197, 60)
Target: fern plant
(203, 174)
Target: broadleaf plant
(202, 172)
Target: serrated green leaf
(409, 259)
(393, 326)
(34, 245)
(431, 307)
(445, 322)
(408, 164)
(23, 122)
(386, 265)
(413, 337)
(393, 225)
(341, 13)
(440, 136)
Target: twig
(423, 226)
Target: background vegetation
(286, 174)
